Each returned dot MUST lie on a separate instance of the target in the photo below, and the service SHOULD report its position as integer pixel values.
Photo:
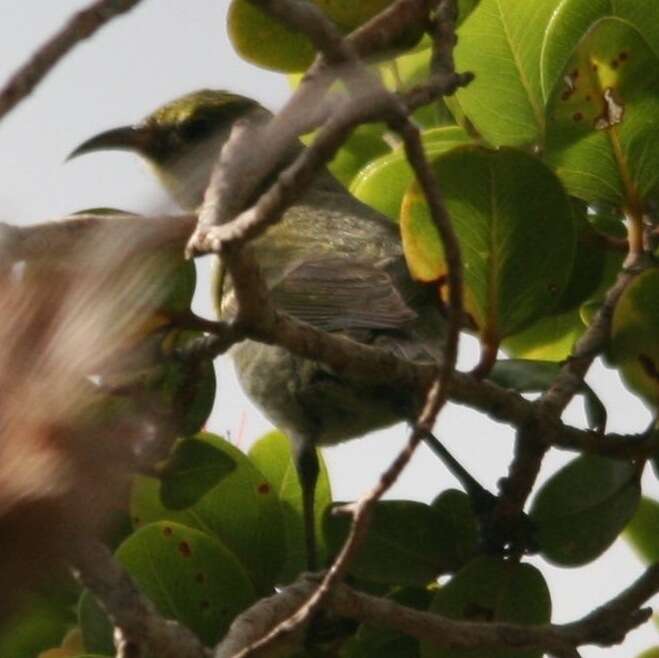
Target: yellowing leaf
(515, 227)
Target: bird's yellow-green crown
(203, 105)
(168, 130)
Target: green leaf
(523, 375)
(589, 262)
(382, 182)
(265, 41)
(189, 576)
(38, 624)
(589, 309)
(602, 138)
(459, 525)
(643, 530)
(550, 338)
(465, 7)
(574, 18)
(491, 589)
(241, 510)
(405, 545)
(364, 144)
(194, 467)
(272, 455)
(581, 510)
(97, 630)
(526, 376)
(634, 345)
(607, 219)
(514, 224)
(500, 43)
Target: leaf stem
(635, 234)
(489, 350)
(395, 72)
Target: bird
(332, 262)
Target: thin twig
(609, 623)
(80, 26)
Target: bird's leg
(521, 537)
(482, 500)
(306, 462)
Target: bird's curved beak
(125, 138)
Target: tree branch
(606, 626)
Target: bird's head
(181, 139)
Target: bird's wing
(337, 294)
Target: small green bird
(331, 261)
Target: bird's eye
(196, 129)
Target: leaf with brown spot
(245, 519)
(166, 568)
(602, 133)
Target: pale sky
(167, 48)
